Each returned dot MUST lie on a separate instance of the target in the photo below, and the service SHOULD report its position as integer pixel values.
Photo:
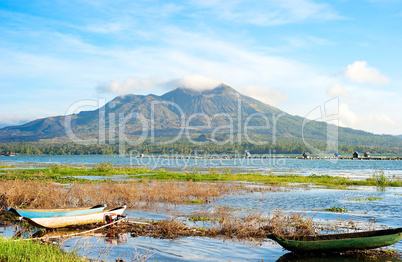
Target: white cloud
(266, 95)
(104, 28)
(359, 72)
(14, 119)
(338, 90)
(268, 13)
(130, 85)
(152, 84)
(139, 42)
(196, 82)
(376, 123)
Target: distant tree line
(282, 146)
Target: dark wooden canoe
(340, 242)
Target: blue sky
(295, 55)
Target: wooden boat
(35, 213)
(8, 154)
(340, 242)
(64, 221)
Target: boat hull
(58, 222)
(377, 239)
(37, 213)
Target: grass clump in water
(32, 251)
(365, 199)
(102, 169)
(196, 202)
(337, 209)
(325, 180)
(64, 173)
(199, 218)
(381, 179)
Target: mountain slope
(219, 114)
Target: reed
(252, 227)
(40, 194)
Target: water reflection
(115, 239)
(328, 258)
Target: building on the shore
(306, 155)
(356, 154)
(337, 154)
(366, 154)
(247, 153)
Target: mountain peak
(220, 109)
(221, 89)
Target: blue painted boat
(58, 222)
(38, 213)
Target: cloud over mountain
(265, 95)
(150, 84)
(359, 72)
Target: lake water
(386, 211)
(311, 201)
(355, 169)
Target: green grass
(42, 177)
(380, 178)
(5, 166)
(325, 180)
(195, 202)
(199, 218)
(32, 251)
(63, 173)
(365, 199)
(337, 209)
(103, 169)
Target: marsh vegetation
(61, 186)
(79, 173)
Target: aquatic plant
(199, 218)
(291, 224)
(326, 180)
(337, 209)
(196, 202)
(64, 173)
(365, 199)
(380, 178)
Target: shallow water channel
(311, 200)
